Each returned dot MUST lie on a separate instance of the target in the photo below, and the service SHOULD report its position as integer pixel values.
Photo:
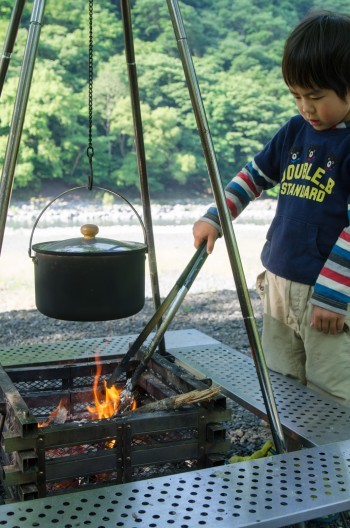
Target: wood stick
(179, 400)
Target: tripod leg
(10, 40)
(140, 151)
(19, 112)
(226, 223)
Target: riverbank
(172, 226)
(106, 210)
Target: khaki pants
(293, 348)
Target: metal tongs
(169, 307)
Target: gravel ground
(216, 314)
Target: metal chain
(90, 149)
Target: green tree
(236, 50)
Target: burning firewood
(179, 400)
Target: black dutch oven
(89, 278)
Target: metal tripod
(210, 158)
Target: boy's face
(322, 108)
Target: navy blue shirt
(313, 169)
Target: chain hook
(90, 149)
(90, 153)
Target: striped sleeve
(332, 288)
(245, 187)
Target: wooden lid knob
(89, 230)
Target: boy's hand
(326, 321)
(204, 231)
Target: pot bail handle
(77, 189)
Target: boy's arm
(332, 288)
(246, 186)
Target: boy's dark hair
(317, 53)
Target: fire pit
(53, 440)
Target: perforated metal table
(271, 492)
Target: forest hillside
(236, 49)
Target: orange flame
(106, 400)
(52, 415)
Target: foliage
(236, 50)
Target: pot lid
(88, 244)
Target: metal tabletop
(270, 492)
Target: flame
(107, 401)
(53, 415)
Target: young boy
(306, 286)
